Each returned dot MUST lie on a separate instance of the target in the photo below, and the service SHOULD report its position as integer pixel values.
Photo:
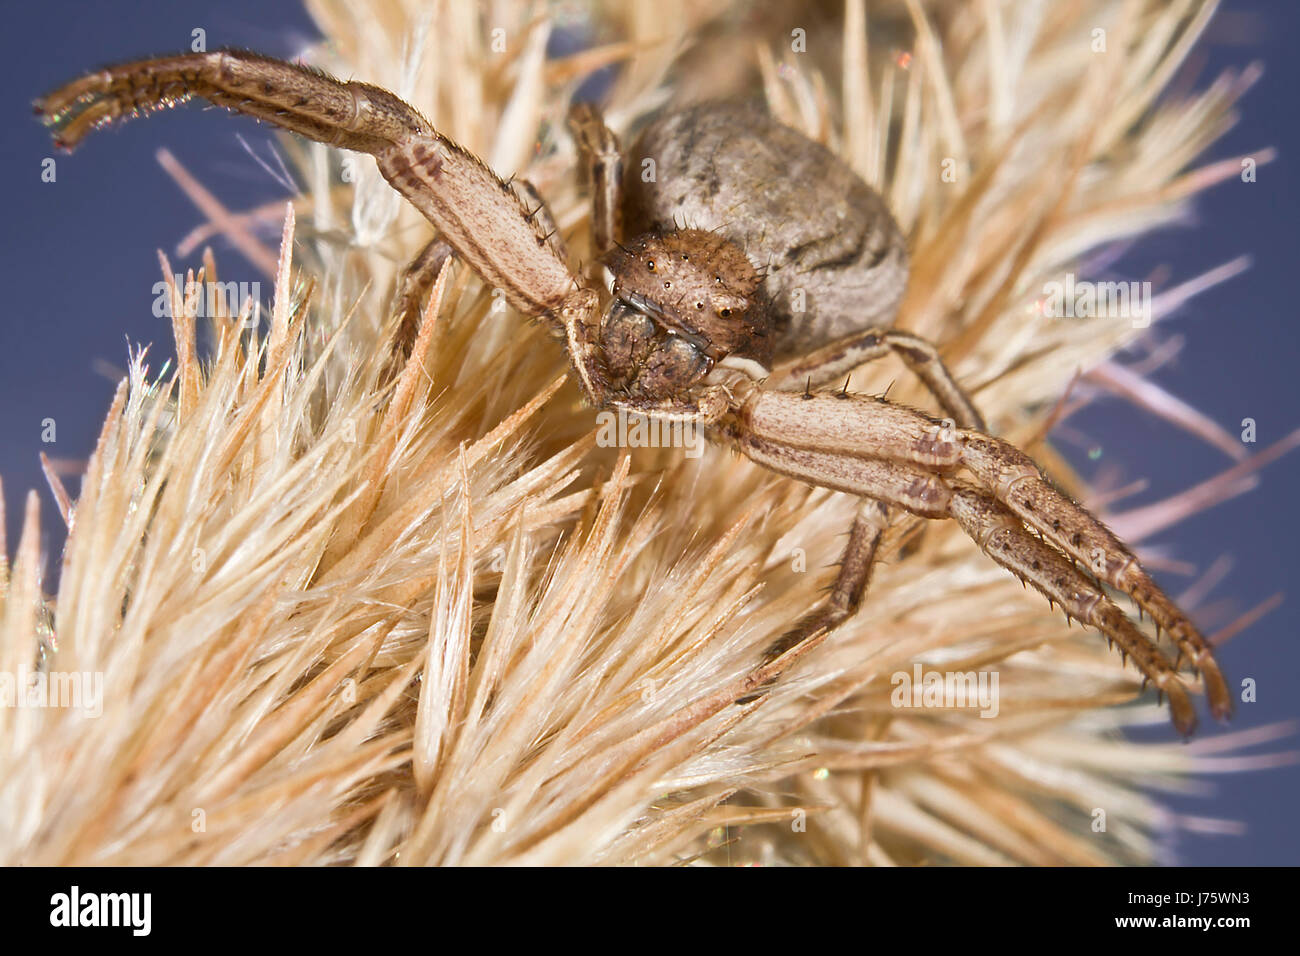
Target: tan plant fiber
(439, 623)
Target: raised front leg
(419, 274)
(478, 215)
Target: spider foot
(306, 101)
(1015, 480)
(1003, 537)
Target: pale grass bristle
(437, 624)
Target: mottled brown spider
(693, 331)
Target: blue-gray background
(79, 266)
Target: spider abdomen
(834, 258)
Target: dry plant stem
(693, 327)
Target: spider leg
(419, 274)
(541, 214)
(1003, 538)
(1017, 482)
(866, 446)
(412, 287)
(856, 564)
(305, 101)
(831, 361)
(875, 482)
(479, 216)
(820, 367)
(603, 161)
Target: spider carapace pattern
(693, 331)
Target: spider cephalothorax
(693, 329)
(682, 302)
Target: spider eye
(725, 313)
(667, 284)
(650, 264)
(685, 257)
(699, 306)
